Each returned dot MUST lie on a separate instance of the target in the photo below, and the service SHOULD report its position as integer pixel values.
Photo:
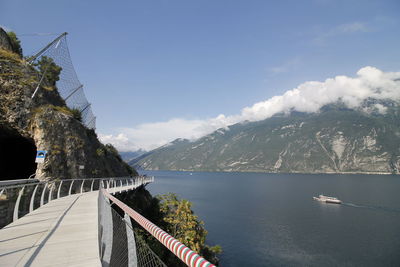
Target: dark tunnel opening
(17, 155)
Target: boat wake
(371, 207)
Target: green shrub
(50, 69)
(76, 113)
(100, 152)
(15, 43)
(181, 221)
(7, 55)
(110, 148)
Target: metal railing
(20, 197)
(119, 242)
(111, 252)
(119, 245)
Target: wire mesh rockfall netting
(69, 86)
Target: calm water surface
(271, 219)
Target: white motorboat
(327, 199)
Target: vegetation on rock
(109, 149)
(9, 56)
(49, 69)
(77, 114)
(181, 222)
(15, 43)
(184, 225)
(175, 216)
(45, 122)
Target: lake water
(272, 220)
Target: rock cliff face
(45, 123)
(5, 42)
(334, 140)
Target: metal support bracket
(16, 208)
(70, 187)
(43, 192)
(59, 189)
(33, 198)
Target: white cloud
(307, 97)
(349, 28)
(285, 67)
(152, 135)
(120, 141)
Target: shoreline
(267, 172)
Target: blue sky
(157, 70)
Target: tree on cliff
(184, 225)
(50, 69)
(15, 43)
(174, 216)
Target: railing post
(120, 186)
(16, 208)
(33, 198)
(59, 189)
(42, 197)
(130, 236)
(50, 194)
(91, 187)
(83, 181)
(70, 187)
(2, 191)
(108, 184)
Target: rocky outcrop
(45, 123)
(5, 41)
(71, 146)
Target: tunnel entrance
(17, 155)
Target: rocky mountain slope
(45, 123)
(131, 155)
(334, 140)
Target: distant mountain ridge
(131, 155)
(337, 139)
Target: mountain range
(336, 139)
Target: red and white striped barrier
(184, 253)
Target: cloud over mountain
(310, 96)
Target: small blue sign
(40, 156)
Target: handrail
(28, 188)
(7, 184)
(19, 181)
(188, 256)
